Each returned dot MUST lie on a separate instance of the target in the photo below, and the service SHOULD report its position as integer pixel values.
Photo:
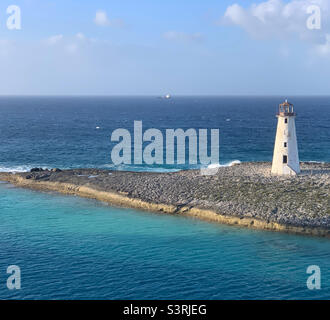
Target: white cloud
(101, 18)
(69, 44)
(54, 39)
(183, 36)
(275, 17)
(80, 36)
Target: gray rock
(36, 170)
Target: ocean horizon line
(159, 95)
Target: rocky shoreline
(245, 194)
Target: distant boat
(167, 96)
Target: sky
(154, 47)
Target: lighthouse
(286, 158)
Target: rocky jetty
(245, 194)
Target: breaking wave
(15, 168)
(123, 167)
(218, 165)
(145, 168)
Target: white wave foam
(140, 168)
(318, 162)
(26, 168)
(232, 163)
(22, 168)
(214, 166)
(218, 165)
(15, 169)
(212, 169)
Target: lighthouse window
(285, 144)
(286, 120)
(285, 159)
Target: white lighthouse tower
(286, 158)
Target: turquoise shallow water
(73, 248)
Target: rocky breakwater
(245, 194)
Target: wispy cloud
(183, 36)
(101, 19)
(54, 39)
(80, 36)
(279, 19)
(70, 44)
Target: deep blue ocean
(73, 248)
